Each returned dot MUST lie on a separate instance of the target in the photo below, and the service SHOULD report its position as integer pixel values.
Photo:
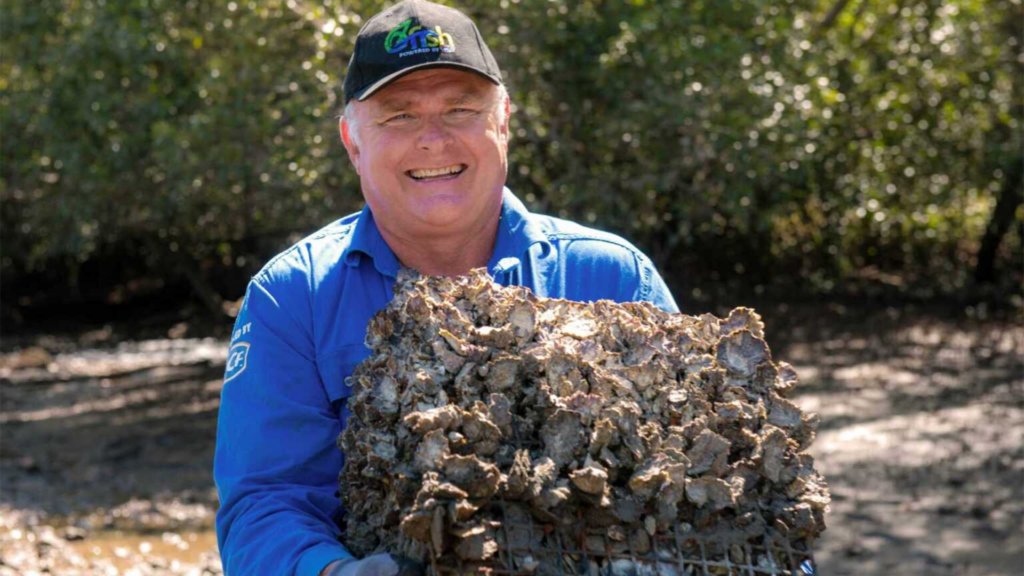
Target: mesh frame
(676, 552)
(689, 553)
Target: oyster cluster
(618, 419)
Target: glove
(377, 565)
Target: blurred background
(851, 168)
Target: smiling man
(431, 153)
(426, 128)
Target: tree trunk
(1010, 197)
(203, 290)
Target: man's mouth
(431, 174)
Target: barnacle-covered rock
(487, 417)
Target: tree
(805, 139)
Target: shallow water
(127, 549)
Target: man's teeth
(435, 172)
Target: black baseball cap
(410, 36)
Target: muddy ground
(108, 437)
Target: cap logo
(406, 39)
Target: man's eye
(462, 111)
(397, 118)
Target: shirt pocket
(335, 367)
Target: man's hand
(378, 565)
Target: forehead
(439, 85)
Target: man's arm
(277, 462)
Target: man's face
(431, 152)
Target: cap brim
(373, 88)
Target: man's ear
(348, 139)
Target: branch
(832, 15)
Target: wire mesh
(575, 549)
(527, 547)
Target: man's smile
(431, 174)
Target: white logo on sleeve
(238, 355)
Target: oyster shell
(591, 479)
(619, 417)
(740, 352)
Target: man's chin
(442, 217)
(444, 206)
(444, 213)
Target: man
(426, 126)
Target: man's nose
(434, 135)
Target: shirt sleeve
(277, 462)
(653, 288)
(600, 266)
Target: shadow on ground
(921, 440)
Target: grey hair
(353, 128)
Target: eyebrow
(465, 97)
(394, 104)
(468, 96)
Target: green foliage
(767, 132)
(827, 137)
(186, 126)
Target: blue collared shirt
(300, 333)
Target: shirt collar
(517, 232)
(366, 240)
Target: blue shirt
(300, 333)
